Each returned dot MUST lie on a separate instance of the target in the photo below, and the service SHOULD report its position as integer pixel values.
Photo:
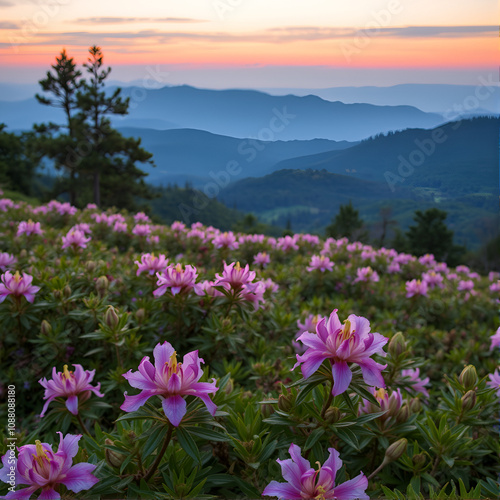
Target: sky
(256, 43)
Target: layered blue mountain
(454, 167)
(242, 114)
(198, 157)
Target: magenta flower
(170, 380)
(65, 208)
(141, 230)
(5, 204)
(207, 288)
(262, 259)
(427, 260)
(141, 217)
(75, 239)
(176, 278)
(495, 287)
(394, 267)
(303, 482)
(320, 263)
(494, 381)
(389, 403)
(120, 227)
(366, 274)
(254, 292)
(83, 226)
(6, 261)
(287, 243)
(433, 279)
(225, 240)
(465, 285)
(152, 264)
(235, 276)
(416, 287)
(37, 466)
(495, 340)
(17, 286)
(417, 384)
(69, 385)
(29, 228)
(351, 342)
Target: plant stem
(82, 425)
(378, 469)
(157, 461)
(328, 402)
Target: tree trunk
(97, 191)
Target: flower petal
(79, 477)
(371, 372)
(281, 490)
(72, 404)
(342, 377)
(133, 403)
(352, 489)
(174, 408)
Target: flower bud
(23, 253)
(67, 291)
(140, 314)
(396, 450)
(228, 389)
(397, 345)
(101, 285)
(415, 405)
(57, 294)
(45, 328)
(468, 377)
(90, 266)
(284, 403)
(404, 414)
(468, 400)
(266, 409)
(112, 457)
(332, 415)
(111, 318)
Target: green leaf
(314, 437)
(188, 444)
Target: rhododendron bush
(150, 361)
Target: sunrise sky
(224, 43)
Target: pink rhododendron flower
(152, 264)
(391, 403)
(141, 230)
(207, 288)
(462, 269)
(69, 385)
(262, 259)
(65, 208)
(225, 240)
(309, 325)
(427, 260)
(75, 239)
(269, 284)
(91, 206)
(394, 267)
(253, 292)
(433, 279)
(303, 482)
(495, 287)
(171, 381)
(416, 287)
(6, 261)
(120, 227)
(366, 274)
(495, 340)
(37, 466)
(5, 204)
(235, 276)
(350, 342)
(287, 243)
(493, 276)
(178, 227)
(141, 217)
(320, 263)
(176, 278)
(494, 381)
(417, 384)
(17, 286)
(100, 218)
(29, 228)
(83, 226)
(465, 285)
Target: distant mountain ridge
(197, 156)
(242, 114)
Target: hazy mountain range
(241, 114)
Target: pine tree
(111, 158)
(347, 223)
(63, 84)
